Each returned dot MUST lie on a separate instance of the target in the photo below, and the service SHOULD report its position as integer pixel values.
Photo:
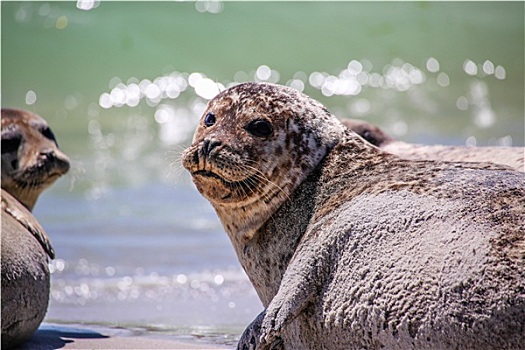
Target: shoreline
(50, 336)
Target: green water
(68, 57)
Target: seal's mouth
(206, 173)
(212, 175)
(230, 189)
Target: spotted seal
(349, 247)
(31, 161)
(510, 156)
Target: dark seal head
(254, 145)
(31, 159)
(369, 132)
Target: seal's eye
(48, 134)
(209, 119)
(10, 145)
(367, 135)
(260, 128)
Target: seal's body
(31, 162)
(513, 157)
(25, 273)
(358, 248)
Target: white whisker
(174, 158)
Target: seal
(349, 247)
(239, 176)
(31, 161)
(513, 157)
(25, 273)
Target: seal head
(254, 145)
(31, 159)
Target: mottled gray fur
(370, 251)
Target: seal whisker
(238, 185)
(260, 175)
(218, 86)
(251, 183)
(174, 158)
(254, 185)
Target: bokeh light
(30, 97)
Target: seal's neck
(242, 222)
(266, 255)
(27, 197)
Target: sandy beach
(53, 336)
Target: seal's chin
(38, 177)
(220, 190)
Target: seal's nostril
(54, 160)
(195, 157)
(209, 145)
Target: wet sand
(51, 336)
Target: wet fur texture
(365, 250)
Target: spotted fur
(360, 249)
(247, 178)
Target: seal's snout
(208, 146)
(55, 160)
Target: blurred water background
(123, 84)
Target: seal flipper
(300, 285)
(250, 339)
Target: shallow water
(147, 265)
(123, 85)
